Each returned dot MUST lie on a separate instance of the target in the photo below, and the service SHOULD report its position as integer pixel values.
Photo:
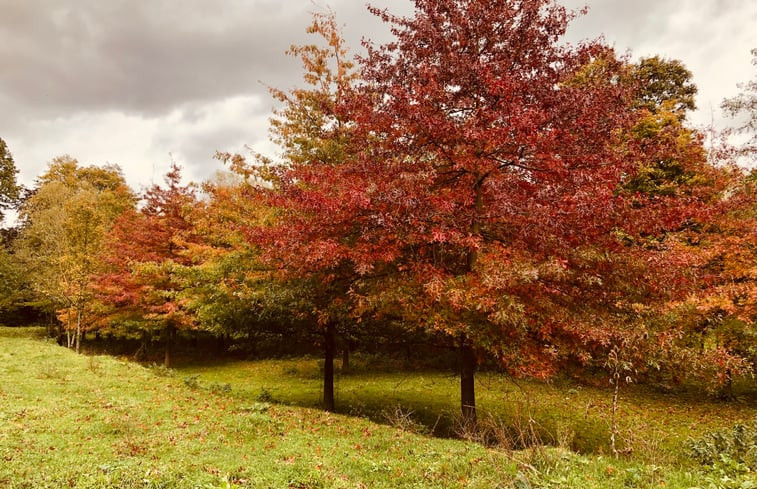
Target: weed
(265, 396)
(161, 370)
(94, 365)
(50, 371)
(738, 445)
(219, 388)
(402, 418)
(257, 408)
(192, 382)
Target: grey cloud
(146, 57)
(142, 57)
(132, 80)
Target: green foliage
(729, 455)
(664, 84)
(12, 280)
(265, 396)
(192, 382)
(737, 445)
(9, 189)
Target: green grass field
(70, 420)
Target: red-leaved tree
(146, 252)
(486, 174)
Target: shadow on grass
(512, 415)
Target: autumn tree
(229, 290)
(715, 327)
(315, 133)
(488, 182)
(146, 255)
(62, 228)
(712, 340)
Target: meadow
(69, 420)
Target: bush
(729, 455)
(737, 445)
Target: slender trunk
(728, 388)
(328, 368)
(613, 419)
(467, 385)
(69, 337)
(345, 360)
(78, 330)
(169, 343)
(60, 331)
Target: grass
(70, 420)
(653, 424)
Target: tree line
(476, 182)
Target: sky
(143, 83)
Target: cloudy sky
(138, 82)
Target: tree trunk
(467, 385)
(78, 330)
(169, 343)
(69, 337)
(328, 368)
(467, 355)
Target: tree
(744, 105)
(11, 280)
(719, 317)
(664, 84)
(9, 189)
(488, 145)
(490, 180)
(314, 130)
(63, 224)
(228, 290)
(146, 255)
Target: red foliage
(146, 247)
(491, 173)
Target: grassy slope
(69, 420)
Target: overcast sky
(138, 82)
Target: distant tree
(9, 189)
(62, 228)
(664, 85)
(146, 254)
(744, 106)
(718, 321)
(228, 289)
(11, 280)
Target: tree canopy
(9, 189)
